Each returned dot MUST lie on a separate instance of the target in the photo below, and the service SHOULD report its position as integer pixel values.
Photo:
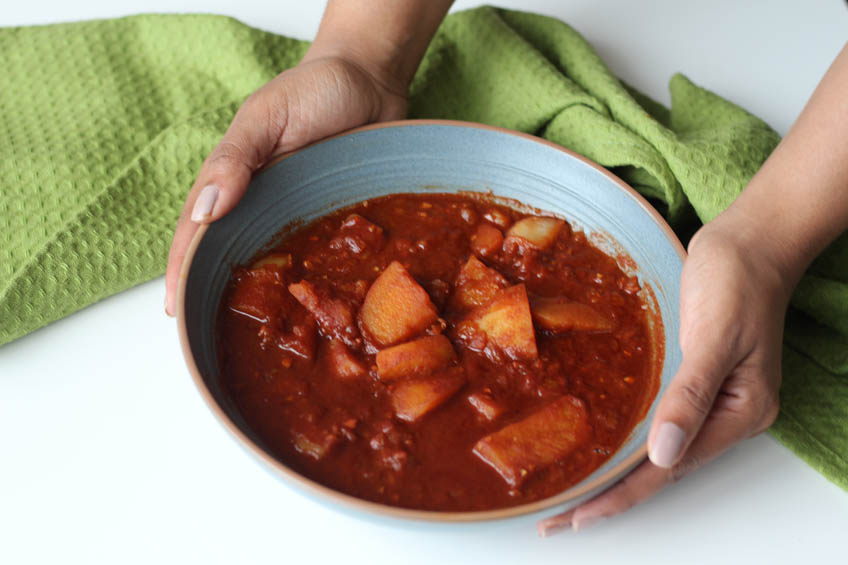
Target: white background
(108, 454)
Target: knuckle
(761, 404)
(255, 104)
(251, 101)
(695, 395)
(769, 414)
(227, 155)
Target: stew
(439, 352)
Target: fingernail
(666, 447)
(553, 525)
(580, 525)
(167, 311)
(204, 203)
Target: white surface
(108, 454)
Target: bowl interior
(437, 157)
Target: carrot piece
(560, 315)
(507, 323)
(476, 285)
(539, 440)
(395, 308)
(412, 399)
(417, 357)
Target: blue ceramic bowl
(437, 156)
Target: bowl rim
(327, 494)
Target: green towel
(104, 124)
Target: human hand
(318, 98)
(733, 301)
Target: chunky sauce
(479, 408)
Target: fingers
(723, 429)
(555, 524)
(709, 345)
(179, 245)
(309, 102)
(221, 183)
(686, 403)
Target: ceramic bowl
(421, 156)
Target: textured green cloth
(104, 124)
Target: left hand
(733, 301)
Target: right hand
(316, 99)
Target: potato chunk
(280, 261)
(414, 398)
(539, 232)
(560, 315)
(485, 405)
(343, 362)
(539, 440)
(476, 285)
(313, 442)
(335, 318)
(487, 240)
(420, 356)
(507, 323)
(396, 307)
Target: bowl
(438, 156)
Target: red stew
(439, 352)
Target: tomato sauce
(438, 352)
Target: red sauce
(432, 388)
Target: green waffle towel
(104, 124)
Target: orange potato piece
(476, 285)
(334, 317)
(414, 398)
(485, 405)
(560, 315)
(396, 307)
(281, 261)
(344, 363)
(487, 240)
(420, 356)
(540, 232)
(539, 440)
(507, 323)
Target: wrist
(376, 61)
(385, 38)
(773, 250)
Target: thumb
(222, 181)
(225, 174)
(689, 398)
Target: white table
(108, 454)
